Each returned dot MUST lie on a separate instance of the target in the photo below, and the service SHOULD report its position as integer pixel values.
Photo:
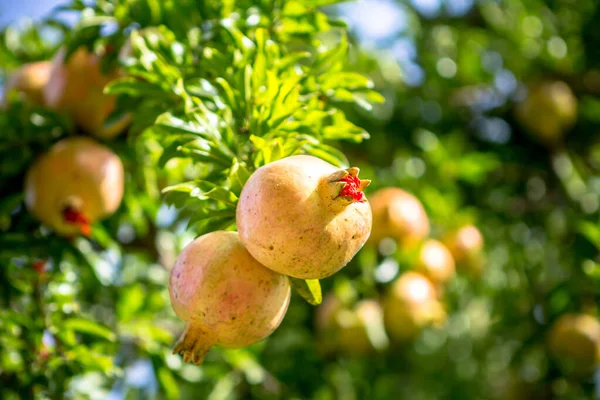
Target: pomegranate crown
(348, 185)
(72, 215)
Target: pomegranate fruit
(350, 331)
(77, 182)
(226, 297)
(466, 245)
(76, 87)
(574, 340)
(303, 217)
(29, 80)
(399, 215)
(549, 110)
(361, 331)
(410, 305)
(436, 262)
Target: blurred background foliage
(96, 322)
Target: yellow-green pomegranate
(410, 305)
(303, 217)
(352, 331)
(29, 80)
(549, 111)
(76, 86)
(399, 215)
(225, 296)
(77, 182)
(466, 246)
(574, 340)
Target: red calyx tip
(352, 188)
(76, 217)
(39, 266)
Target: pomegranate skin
(410, 305)
(226, 297)
(399, 215)
(549, 111)
(345, 329)
(76, 88)
(436, 262)
(466, 246)
(296, 217)
(76, 173)
(574, 340)
(29, 80)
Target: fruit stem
(73, 216)
(193, 344)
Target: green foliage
(219, 88)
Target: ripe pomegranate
(410, 305)
(77, 182)
(303, 217)
(549, 110)
(29, 80)
(574, 341)
(399, 215)
(466, 245)
(226, 297)
(436, 262)
(354, 331)
(76, 88)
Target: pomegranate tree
(76, 87)
(226, 297)
(303, 217)
(399, 215)
(77, 182)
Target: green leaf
(309, 289)
(329, 154)
(591, 231)
(89, 327)
(134, 87)
(168, 383)
(345, 80)
(130, 302)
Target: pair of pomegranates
(79, 180)
(300, 217)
